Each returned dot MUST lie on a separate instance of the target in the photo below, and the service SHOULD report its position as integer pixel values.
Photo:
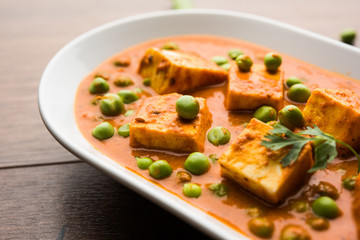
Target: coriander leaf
(293, 154)
(312, 131)
(280, 129)
(325, 153)
(281, 137)
(276, 142)
(277, 139)
(317, 132)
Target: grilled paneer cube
(253, 89)
(176, 71)
(158, 126)
(336, 112)
(258, 169)
(356, 205)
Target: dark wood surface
(47, 193)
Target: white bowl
(68, 67)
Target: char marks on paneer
(210, 120)
(258, 169)
(336, 112)
(177, 71)
(157, 125)
(253, 89)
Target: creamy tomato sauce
(233, 208)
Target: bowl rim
(210, 227)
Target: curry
(150, 97)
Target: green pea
(160, 169)
(111, 105)
(103, 131)
(183, 176)
(292, 81)
(291, 117)
(128, 96)
(299, 206)
(99, 85)
(170, 46)
(147, 82)
(219, 189)
(144, 162)
(261, 227)
(220, 60)
(348, 36)
(123, 81)
(226, 66)
(299, 93)
(187, 107)
(272, 61)
(244, 63)
(266, 114)
(317, 223)
(197, 163)
(326, 189)
(124, 130)
(325, 207)
(234, 53)
(294, 232)
(129, 113)
(191, 190)
(349, 183)
(219, 136)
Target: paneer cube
(176, 71)
(258, 169)
(251, 90)
(356, 205)
(336, 112)
(158, 126)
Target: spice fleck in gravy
(234, 208)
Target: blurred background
(47, 193)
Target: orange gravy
(231, 209)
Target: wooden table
(47, 193)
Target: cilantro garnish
(325, 151)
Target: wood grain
(33, 31)
(74, 201)
(81, 203)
